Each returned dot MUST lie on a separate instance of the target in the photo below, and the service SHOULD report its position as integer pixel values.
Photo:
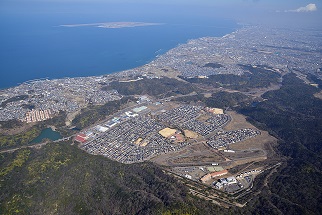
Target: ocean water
(33, 45)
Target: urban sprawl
(280, 49)
(154, 126)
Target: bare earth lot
(196, 154)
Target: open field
(238, 121)
(190, 134)
(167, 132)
(194, 154)
(258, 142)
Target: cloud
(307, 8)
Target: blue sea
(33, 45)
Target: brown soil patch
(258, 142)
(190, 134)
(167, 132)
(238, 121)
(207, 95)
(71, 116)
(191, 155)
(203, 118)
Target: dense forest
(255, 77)
(62, 179)
(213, 65)
(293, 115)
(220, 99)
(94, 113)
(152, 87)
(10, 124)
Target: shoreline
(123, 71)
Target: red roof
(81, 135)
(220, 173)
(179, 137)
(80, 139)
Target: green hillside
(62, 179)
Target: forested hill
(62, 179)
(293, 114)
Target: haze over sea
(34, 45)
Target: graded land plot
(249, 150)
(192, 172)
(245, 154)
(258, 142)
(195, 154)
(258, 148)
(237, 121)
(203, 118)
(167, 132)
(190, 134)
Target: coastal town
(194, 141)
(161, 107)
(270, 47)
(69, 95)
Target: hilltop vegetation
(152, 87)
(92, 114)
(293, 115)
(220, 99)
(255, 77)
(24, 138)
(7, 141)
(13, 99)
(62, 179)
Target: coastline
(234, 52)
(155, 56)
